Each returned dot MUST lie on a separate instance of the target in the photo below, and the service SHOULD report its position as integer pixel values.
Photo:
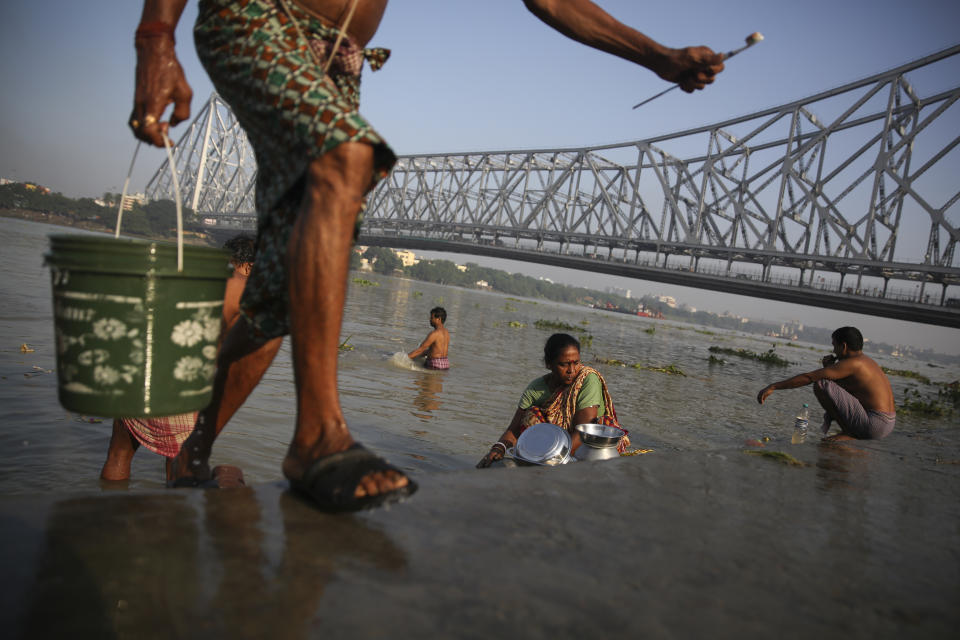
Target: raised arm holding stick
(317, 159)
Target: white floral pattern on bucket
(110, 352)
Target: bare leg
(241, 364)
(318, 261)
(120, 453)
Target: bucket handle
(176, 192)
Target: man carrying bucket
(290, 70)
(165, 435)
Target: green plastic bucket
(134, 336)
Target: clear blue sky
(464, 76)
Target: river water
(424, 421)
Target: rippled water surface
(422, 420)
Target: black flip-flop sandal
(332, 480)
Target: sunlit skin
(318, 253)
(437, 342)
(563, 371)
(858, 374)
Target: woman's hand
(496, 453)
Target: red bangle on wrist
(154, 29)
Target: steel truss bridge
(847, 199)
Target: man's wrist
(656, 57)
(154, 29)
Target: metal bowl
(599, 435)
(544, 443)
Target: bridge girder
(857, 180)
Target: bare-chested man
(437, 343)
(294, 86)
(851, 388)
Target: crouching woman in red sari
(571, 394)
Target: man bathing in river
(851, 388)
(290, 71)
(436, 344)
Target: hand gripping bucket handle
(136, 321)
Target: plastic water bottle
(800, 424)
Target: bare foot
(115, 470)
(119, 453)
(840, 437)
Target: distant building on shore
(670, 301)
(408, 258)
(619, 291)
(135, 198)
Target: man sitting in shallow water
(851, 388)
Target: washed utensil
(598, 441)
(543, 444)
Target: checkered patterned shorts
(292, 113)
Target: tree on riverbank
(383, 260)
(156, 219)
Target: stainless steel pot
(543, 443)
(598, 441)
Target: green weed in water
(951, 393)
(364, 282)
(344, 346)
(944, 405)
(555, 325)
(613, 362)
(768, 357)
(798, 346)
(650, 330)
(903, 373)
(417, 294)
(670, 369)
(516, 325)
(509, 307)
(779, 456)
(715, 360)
(586, 340)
